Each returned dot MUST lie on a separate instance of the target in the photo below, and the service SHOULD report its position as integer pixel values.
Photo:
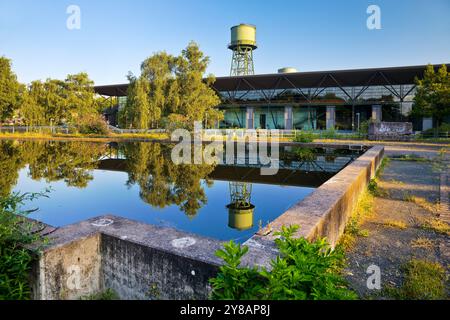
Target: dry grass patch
(436, 225)
(422, 243)
(422, 202)
(395, 224)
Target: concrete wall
(69, 271)
(325, 212)
(136, 271)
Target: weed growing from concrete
(362, 211)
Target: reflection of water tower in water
(240, 210)
(243, 42)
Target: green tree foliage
(57, 101)
(137, 110)
(303, 271)
(432, 98)
(170, 88)
(78, 91)
(9, 90)
(31, 109)
(52, 101)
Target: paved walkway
(422, 149)
(410, 191)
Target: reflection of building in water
(240, 210)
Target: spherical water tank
(287, 70)
(243, 35)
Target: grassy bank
(85, 137)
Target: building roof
(336, 78)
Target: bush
(442, 129)
(329, 134)
(304, 137)
(303, 271)
(15, 260)
(92, 124)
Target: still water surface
(140, 182)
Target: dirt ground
(390, 245)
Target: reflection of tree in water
(162, 182)
(70, 162)
(52, 161)
(10, 164)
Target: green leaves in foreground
(303, 271)
(15, 260)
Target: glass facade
(352, 106)
(320, 95)
(304, 118)
(269, 118)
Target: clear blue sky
(116, 35)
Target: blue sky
(116, 35)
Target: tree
(432, 98)
(137, 110)
(158, 71)
(9, 90)
(175, 88)
(31, 110)
(198, 101)
(80, 96)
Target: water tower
(243, 42)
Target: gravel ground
(391, 247)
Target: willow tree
(9, 90)
(176, 89)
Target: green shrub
(304, 137)
(303, 271)
(92, 124)
(15, 260)
(443, 129)
(329, 134)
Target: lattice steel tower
(243, 42)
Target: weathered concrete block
(390, 130)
